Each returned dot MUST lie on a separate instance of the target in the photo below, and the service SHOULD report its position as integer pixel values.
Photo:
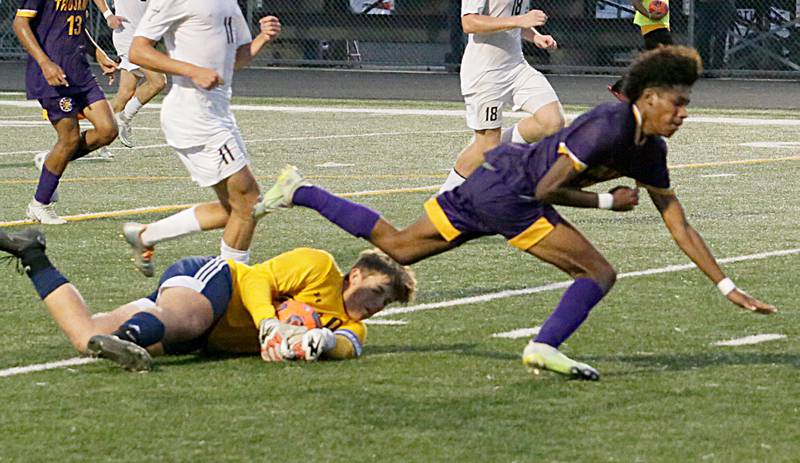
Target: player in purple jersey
(514, 192)
(58, 76)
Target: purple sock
(351, 217)
(571, 311)
(48, 182)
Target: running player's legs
(414, 243)
(125, 90)
(99, 113)
(534, 95)
(237, 194)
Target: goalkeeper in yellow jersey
(212, 305)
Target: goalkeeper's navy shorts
(485, 204)
(209, 276)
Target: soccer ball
(298, 314)
(658, 6)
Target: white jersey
(132, 11)
(497, 50)
(205, 33)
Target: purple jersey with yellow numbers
(58, 26)
(500, 196)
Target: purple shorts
(71, 106)
(486, 205)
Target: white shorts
(122, 43)
(523, 87)
(210, 165)
(125, 64)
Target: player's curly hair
(665, 66)
(401, 277)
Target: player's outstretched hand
(533, 18)
(107, 65)
(746, 301)
(206, 78)
(625, 198)
(54, 74)
(270, 27)
(546, 42)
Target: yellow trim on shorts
(647, 28)
(577, 164)
(440, 221)
(532, 235)
(26, 13)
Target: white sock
(131, 108)
(516, 137)
(177, 225)
(237, 255)
(454, 179)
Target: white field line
(563, 284)
(47, 366)
(451, 303)
(747, 340)
(772, 144)
(520, 333)
(372, 321)
(436, 112)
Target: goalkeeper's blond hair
(401, 278)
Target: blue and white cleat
(539, 356)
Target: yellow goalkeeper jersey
(307, 275)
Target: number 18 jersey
(497, 50)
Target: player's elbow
(137, 54)
(544, 193)
(468, 24)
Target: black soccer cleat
(17, 243)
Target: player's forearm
(693, 245)
(481, 24)
(22, 29)
(639, 6)
(571, 197)
(101, 5)
(248, 51)
(143, 53)
(529, 34)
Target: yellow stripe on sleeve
(440, 220)
(577, 164)
(532, 235)
(26, 13)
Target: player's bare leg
(418, 241)
(41, 208)
(125, 90)
(240, 193)
(471, 157)
(566, 248)
(546, 121)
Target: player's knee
(553, 123)
(69, 142)
(158, 82)
(106, 132)
(605, 276)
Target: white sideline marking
(520, 333)
(47, 366)
(331, 164)
(771, 144)
(385, 322)
(717, 175)
(435, 112)
(451, 303)
(564, 284)
(754, 339)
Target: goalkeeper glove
(280, 341)
(316, 342)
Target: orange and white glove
(280, 341)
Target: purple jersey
(58, 26)
(603, 144)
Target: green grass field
(439, 386)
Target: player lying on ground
(514, 192)
(59, 77)
(212, 305)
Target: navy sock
(143, 329)
(43, 275)
(354, 218)
(571, 311)
(48, 182)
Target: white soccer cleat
(538, 356)
(124, 353)
(44, 213)
(281, 194)
(101, 154)
(38, 161)
(124, 131)
(142, 255)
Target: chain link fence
(743, 38)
